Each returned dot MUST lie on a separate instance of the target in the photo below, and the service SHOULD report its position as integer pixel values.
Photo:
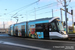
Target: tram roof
(40, 19)
(37, 20)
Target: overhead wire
(44, 13)
(21, 8)
(24, 7)
(43, 7)
(40, 8)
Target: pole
(17, 21)
(72, 19)
(65, 15)
(3, 25)
(72, 16)
(61, 16)
(52, 12)
(72, 23)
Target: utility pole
(66, 16)
(65, 6)
(72, 20)
(3, 25)
(72, 15)
(61, 14)
(52, 13)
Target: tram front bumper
(64, 36)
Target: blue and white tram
(49, 28)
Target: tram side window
(39, 27)
(23, 27)
(53, 27)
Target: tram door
(23, 30)
(16, 31)
(46, 30)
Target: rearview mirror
(58, 23)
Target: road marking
(51, 40)
(14, 44)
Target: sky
(24, 10)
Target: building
(2, 30)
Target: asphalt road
(18, 43)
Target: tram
(45, 28)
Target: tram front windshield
(60, 26)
